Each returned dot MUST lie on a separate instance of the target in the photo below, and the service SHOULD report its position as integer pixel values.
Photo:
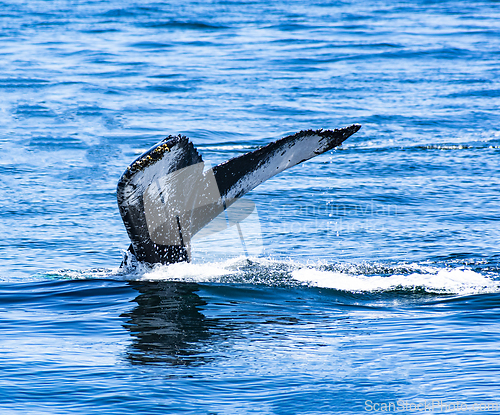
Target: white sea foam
(188, 272)
(459, 281)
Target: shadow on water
(167, 325)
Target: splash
(439, 278)
(187, 272)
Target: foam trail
(456, 281)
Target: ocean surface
(374, 285)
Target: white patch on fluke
(302, 149)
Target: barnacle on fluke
(162, 211)
(154, 154)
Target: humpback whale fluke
(167, 195)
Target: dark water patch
(100, 30)
(182, 25)
(101, 60)
(466, 30)
(306, 62)
(48, 24)
(27, 111)
(15, 83)
(169, 88)
(293, 27)
(378, 45)
(478, 93)
(69, 83)
(119, 13)
(359, 29)
(51, 43)
(151, 45)
(400, 54)
(294, 41)
(167, 76)
(143, 9)
(438, 53)
(14, 170)
(90, 110)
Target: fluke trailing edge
(167, 195)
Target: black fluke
(167, 195)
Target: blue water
(379, 279)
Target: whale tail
(167, 195)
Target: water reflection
(166, 324)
